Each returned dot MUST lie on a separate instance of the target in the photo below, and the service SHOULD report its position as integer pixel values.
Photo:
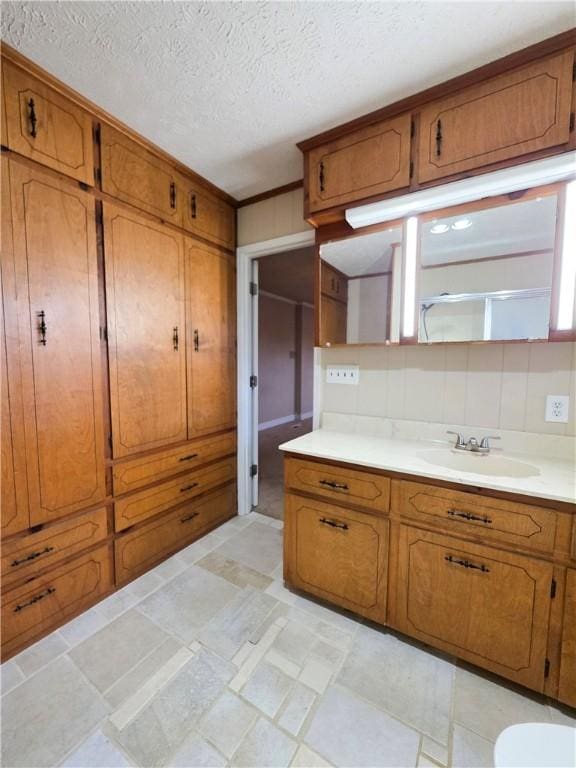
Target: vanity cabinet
(567, 689)
(371, 161)
(520, 112)
(45, 126)
(338, 554)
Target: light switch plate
(342, 374)
(557, 408)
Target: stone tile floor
(208, 660)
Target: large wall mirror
(360, 288)
(486, 274)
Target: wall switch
(557, 408)
(342, 374)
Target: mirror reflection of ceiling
(363, 255)
(508, 229)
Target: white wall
(274, 217)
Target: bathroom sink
(480, 464)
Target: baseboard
(276, 422)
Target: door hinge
(253, 381)
(253, 289)
(553, 588)
(571, 121)
(547, 668)
(411, 169)
(253, 470)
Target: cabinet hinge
(571, 121)
(103, 333)
(412, 129)
(98, 174)
(253, 470)
(110, 441)
(97, 133)
(547, 668)
(253, 289)
(411, 169)
(253, 381)
(553, 588)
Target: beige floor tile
(39, 654)
(267, 688)
(197, 753)
(350, 732)
(237, 574)
(265, 747)
(256, 546)
(306, 758)
(256, 655)
(195, 552)
(296, 709)
(10, 676)
(170, 567)
(186, 603)
(280, 661)
(316, 675)
(437, 752)
(117, 648)
(82, 626)
(48, 715)
(228, 722)
(116, 604)
(295, 642)
(97, 752)
(470, 750)
(410, 683)
(487, 707)
(144, 585)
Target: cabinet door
(337, 554)
(524, 111)
(367, 162)
(484, 605)
(211, 306)
(14, 491)
(136, 176)
(55, 256)
(333, 321)
(567, 690)
(333, 283)
(146, 338)
(47, 127)
(208, 216)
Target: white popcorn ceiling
(228, 88)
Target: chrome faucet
(472, 443)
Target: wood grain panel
(207, 216)
(63, 131)
(332, 282)
(333, 321)
(55, 254)
(211, 338)
(146, 307)
(567, 688)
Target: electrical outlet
(557, 408)
(342, 374)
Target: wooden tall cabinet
(146, 331)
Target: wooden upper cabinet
(47, 127)
(211, 339)
(567, 689)
(206, 215)
(137, 176)
(58, 317)
(146, 331)
(368, 162)
(508, 116)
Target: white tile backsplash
(498, 386)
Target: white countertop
(552, 478)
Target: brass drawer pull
(175, 339)
(321, 177)
(469, 516)
(42, 327)
(189, 517)
(31, 556)
(334, 485)
(35, 599)
(193, 206)
(32, 117)
(188, 487)
(172, 195)
(438, 138)
(189, 457)
(466, 564)
(333, 523)
(196, 340)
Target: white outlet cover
(342, 374)
(557, 408)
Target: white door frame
(244, 256)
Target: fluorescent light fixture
(534, 174)
(565, 317)
(439, 229)
(411, 240)
(461, 224)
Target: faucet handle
(459, 438)
(486, 440)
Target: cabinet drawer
(511, 115)
(466, 514)
(46, 127)
(208, 216)
(47, 600)
(337, 554)
(25, 556)
(130, 475)
(347, 485)
(145, 504)
(132, 174)
(138, 550)
(333, 283)
(487, 606)
(368, 162)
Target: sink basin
(478, 463)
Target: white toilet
(536, 745)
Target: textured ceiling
(229, 87)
